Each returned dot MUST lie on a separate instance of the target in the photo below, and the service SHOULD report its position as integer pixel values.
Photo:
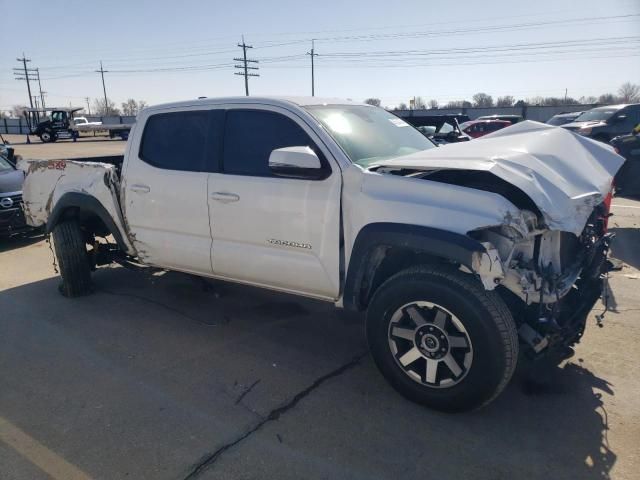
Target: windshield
(4, 164)
(369, 134)
(596, 114)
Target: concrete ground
(161, 376)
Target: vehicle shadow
(625, 245)
(22, 240)
(195, 332)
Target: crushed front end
(550, 279)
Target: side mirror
(296, 162)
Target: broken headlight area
(550, 279)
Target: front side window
(176, 141)
(250, 137)
(369, 134)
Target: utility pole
(312, 54)
(40, 88)
(102, 71)
(245, 67)
(565, 95)
(24, 72)
(88, 107)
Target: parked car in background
(83, 121)
(479, 128)
(563, 118)
(627, 180)
(604, 123)
(513, 119)
(440, 129)
(12, 219)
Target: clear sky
(161, 50)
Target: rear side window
(251, 136)
(176, 141)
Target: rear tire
(73, 261)
(441, 339)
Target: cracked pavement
(163, 376)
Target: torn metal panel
(566, 175)
(47, 180)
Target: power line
(245, 66)
(370, 37)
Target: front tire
(73, 260)
(441, 339)
(47, 137)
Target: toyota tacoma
(464, 258)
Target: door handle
(140, 188)
(225, 197)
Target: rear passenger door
(165, 188)
(269, 230)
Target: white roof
(269, 100)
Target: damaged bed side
(84, 187)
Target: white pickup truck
(462, 256)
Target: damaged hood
(565, 175)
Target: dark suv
(11, 216)
(604, 123)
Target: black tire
(48, 137)
(485, 317)
(73, 261)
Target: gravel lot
(167, 377)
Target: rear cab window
(186, 140)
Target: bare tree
(373, 101)
(535, 100)
(103, 110)
(17, 111)
(482, 100)
(433, 104)
(132, 108)
(458, 104)
(419, 103)
(589, 99)
(402, 106)
(629, 92)
(453, 104)
(506, 101)
(607, 98)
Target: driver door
(272, 230)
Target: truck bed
(102, 127)
(46, 181)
